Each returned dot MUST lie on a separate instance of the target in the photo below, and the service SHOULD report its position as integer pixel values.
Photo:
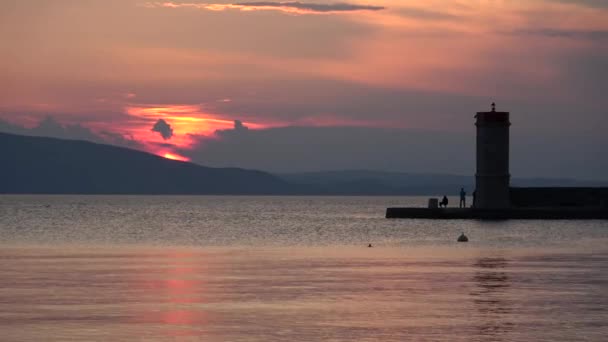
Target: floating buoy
(463, 238)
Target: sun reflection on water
(173, 291)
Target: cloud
(239, 127)
(365, 67)
(338, 148)
(50, 127)
(119, 139)
(295, 7)
(7, 127)
(564, 33)
(337, 7)
(589, 3)
(424, 14)
(161, 126)
(301, 149)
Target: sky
(320, 85)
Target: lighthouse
(495, 199)
(492, 177)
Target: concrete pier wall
(559, 197)
(499, 214)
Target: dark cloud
(297, 149)
(163, 128)
(119, 139)
(560, 33)
(333, 148)
(8, 127)
(239, 127)
(299, 100)
(229, 134)
(586, 73)
(589, 3)
(50, 127)
(313, 7)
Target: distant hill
(39, 165)
(367, 182)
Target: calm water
(108, 268)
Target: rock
(463, 238)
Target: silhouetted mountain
(53, 166)
(366, 182)
(47, 165)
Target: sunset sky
(322, 85)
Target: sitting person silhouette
(444, 202)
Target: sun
(174, 156)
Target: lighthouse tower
(492, 177)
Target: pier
(498, 214)
(495, 198)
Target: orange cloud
(187, 121)
(184, 119)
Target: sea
(231, 268)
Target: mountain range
(39, 165)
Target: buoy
(463, 238)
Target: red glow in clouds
(189, 124)
(186, 121)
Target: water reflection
(173, 291)
(299, 294)
(491, 297)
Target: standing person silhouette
(463, 198)
(474, 197)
